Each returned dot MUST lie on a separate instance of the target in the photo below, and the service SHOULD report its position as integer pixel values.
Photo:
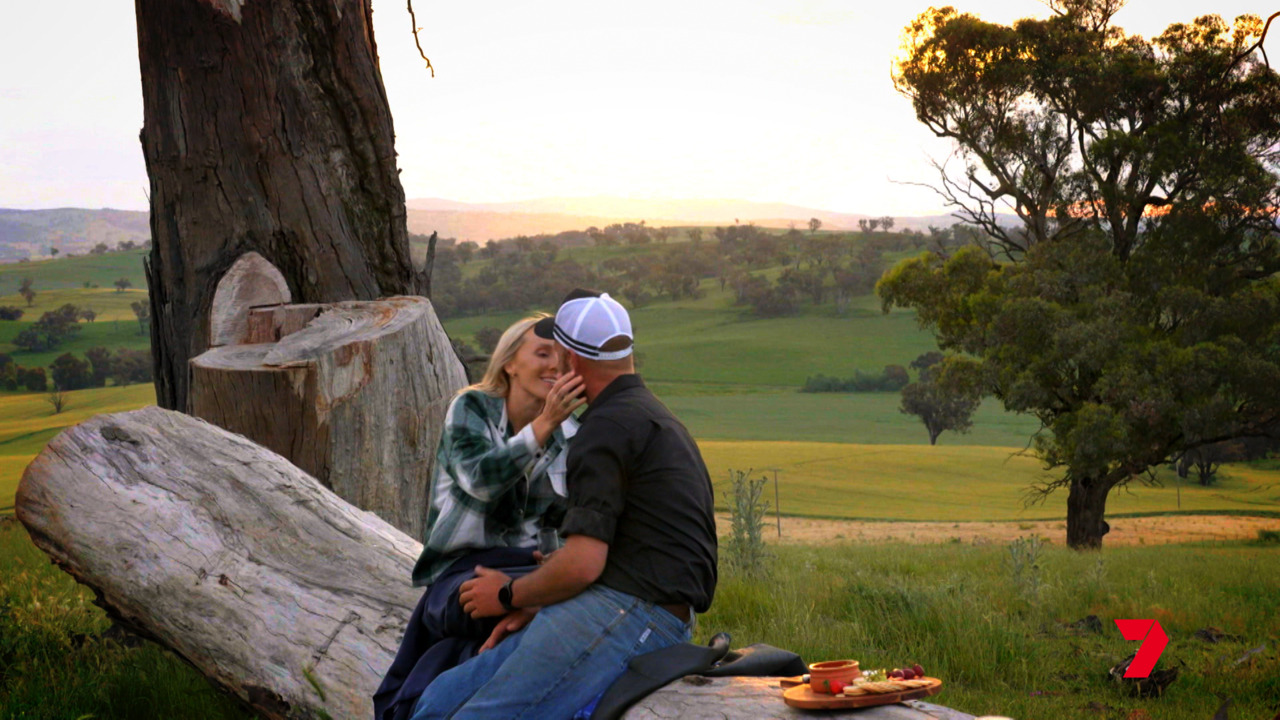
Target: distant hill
(30, 233)
(487, 221)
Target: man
(639, 556)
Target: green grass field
(710, 341)
(954, 483)
(863, 418)
(1001, 641)
(110, 334)
(108, 303)
(27, 422)
(997, 638)
(72, 273)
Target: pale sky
(755, 100)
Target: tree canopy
(1134, 306)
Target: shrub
(32, 379)
(100, 362)
(10, 312)
(745, 551)
(1269, 536)
(131, 366)
(892, 379)
(70, 372)
(487, 338)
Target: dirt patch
(1124, 531)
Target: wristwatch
(504, 596)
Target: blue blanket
(440, 635)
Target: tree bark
(1086, 507)
(265, 128)
(356, 398)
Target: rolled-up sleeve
(596, 460)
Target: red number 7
(1153, 643)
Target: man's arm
(568, 571)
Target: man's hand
(479, 596)
(513, 622)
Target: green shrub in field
(1023, 562)
(744, 552)
(892, 379)
(1269, 536)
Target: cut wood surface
(251, 282)
(268, 583)
(224, 552)
(354, 393)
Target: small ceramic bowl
(822, 674)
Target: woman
(500, 464)
(499, 478)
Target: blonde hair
(495, 381)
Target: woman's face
(536, 365)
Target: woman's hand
(564, 397)
(513, 622)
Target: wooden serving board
(800, 696)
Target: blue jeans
(568, 655)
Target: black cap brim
(544, 328)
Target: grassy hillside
(953, 484)
(865, 418)
(72, 273)
(27, 422)
(111, 334)
(709, 341)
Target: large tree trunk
(1086, 507)
(266, 582)
(266, 128)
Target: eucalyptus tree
(1133, 307)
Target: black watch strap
(504, 596)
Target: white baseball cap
(586, 322)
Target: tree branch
(414, 20)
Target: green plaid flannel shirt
(491, 488)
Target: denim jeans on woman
(568, 655)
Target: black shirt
(637, 481)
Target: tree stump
(353, 393)
(251, 282)
(268, 583)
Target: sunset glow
(770, 101)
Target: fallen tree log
(269, 584)
(353, 393)
(224, 552)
